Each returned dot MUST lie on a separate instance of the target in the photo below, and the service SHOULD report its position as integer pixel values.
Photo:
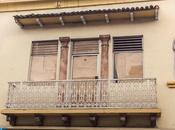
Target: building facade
(77, 63)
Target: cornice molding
(24, 5)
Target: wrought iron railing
(117, 93)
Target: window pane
(128, 65)
(84, 67)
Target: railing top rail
(135, 79)
(81, 80)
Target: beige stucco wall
(15, 45)
(21, 5)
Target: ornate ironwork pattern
(117, 93)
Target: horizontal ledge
(22, 5)
(80, 111)
(74, 128)
(18, 1)
(171, 84)
(75, 1)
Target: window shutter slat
(85, 47)
(45, 48)
(127, 43)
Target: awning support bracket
(39, 22)
(107, 18)
(83, 20)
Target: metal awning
(103, 16)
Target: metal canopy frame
(88, 17)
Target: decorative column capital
(64, 41)
(105, 39)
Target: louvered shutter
(45, 48)
(128, 57)
(85, 47)
(127, 43)
(43, 60)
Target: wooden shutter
(128, 65)
(128, 57)
(84, 63)
(43, 60)
(84, 67)
(90, 46)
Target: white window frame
(86, 54)
(57, 62)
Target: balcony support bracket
(93, 120)
(123, 120)
(153, 118)
(11, 119)
(66, 120)
(39, 120)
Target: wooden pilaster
(104, 55)
(64, 57)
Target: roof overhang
(105, 16)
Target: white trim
(111, 60)
(58, 61)
(30, 63)
(69, 62)
(143, 57)
(99, 60)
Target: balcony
(128, 93)
(82, 97)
